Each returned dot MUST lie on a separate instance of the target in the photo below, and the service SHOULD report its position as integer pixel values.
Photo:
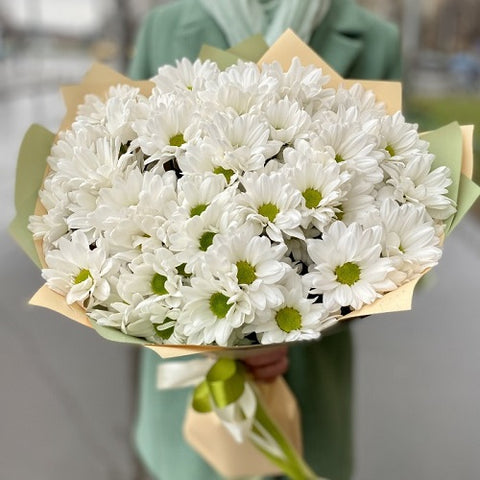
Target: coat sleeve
(381, 57)
(393, 59)
(153, 43)
(139, 68)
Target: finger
(270, 372)
(267, 358)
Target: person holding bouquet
(357, 45)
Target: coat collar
(338, 40)
(193, 18)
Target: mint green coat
(357, 45)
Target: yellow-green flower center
(348, 273)
(219, 305)
(177, 140)
(198, 209)
(82, 276)
(158, 284)
(227, 173)
(206, 240)
(312, 197)
(288, 319)
(269, 210)
(390, 150)
(339, 158)
(245, 273)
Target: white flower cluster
(246, 206)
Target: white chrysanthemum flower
(91, 166)
(244, 140)
(296, 318)
(152, 274)
(206, 156)
(239, 89)
(137, 318)
(414, 181)
(83, 203)
(136, 209)
(409, 239)
(358, 202)
(272, 202)
(53, 224)
(363, 100)
(213, 312)
(78, 271)
(322, 186)
(399, 138)
(157, 202)
(113, 214)
(348, 269)
(224, 98)
(93, 109)
(303, 84)
(350, 145)
(186, 76)
(304, 148)
(197, 192)
(249, 262)
(115, 114)
(64, 149)
(191, 239)
(246, 76)
(164, 130)
(288, 122)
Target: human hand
(269, 365)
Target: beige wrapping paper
(206, 433)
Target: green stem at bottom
(291, 463)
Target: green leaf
(468, 193)
(251, 49)
(447, 145)
(115, 335)
(31, 165)
(222, 58)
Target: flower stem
(268, 438)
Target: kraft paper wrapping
(203, 430)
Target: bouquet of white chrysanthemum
(245, 206)
(249, 206)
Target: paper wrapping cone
(206, 434)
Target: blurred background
(67, 400)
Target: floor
(68, 397)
